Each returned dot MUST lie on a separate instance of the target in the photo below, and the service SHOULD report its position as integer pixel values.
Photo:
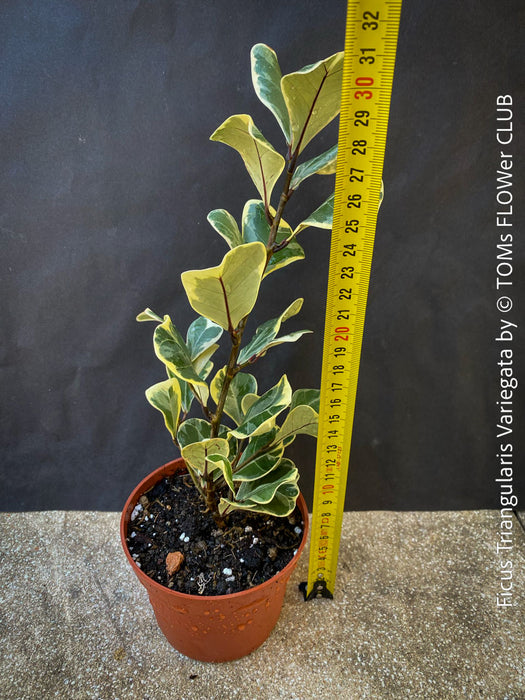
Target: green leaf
(149, 315)
(306, 397)
(265, 335)
(166, 398)
(171, 349)
(193, 430)
(258, 467)
(201, 336)
(289, 338)
(263, 162)
(247, 402)
(255, 227)
(195, 454)
(266, 77)
(324, 164)
(282, 503)
(216, 385)
(241, 385)
(300, 420)
(202, 361)
(221, 463)
(256, 444)
(224, 223)
(187, 396)
(313, 98)
(267, 407)
(201, 390)
(196, 430)
(322, 217)
(227, 293)
(263, 490)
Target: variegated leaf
(195, 454)
(196, 430)
(202, 361)
(322, 217)
(265, 335)
(188, 391)
(224, 223)
(263, 162)
(306, 397)
(256, 445)
(282, 504)
(193, 430)
(201, 336)
(265, 409)
(166, 398)
(241, 385)
(226, 293)
(219, 462)
(323, 164)
(171, 349)
(263, 489)
(149, 315)
(300, 420)
(313, 98)
(255, 227)
(266, 77)
(258, 467)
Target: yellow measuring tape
(370, 52)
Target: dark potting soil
(249, 550)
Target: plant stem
(283, 200)
(231, 371)
(271, 247)
(237, 333)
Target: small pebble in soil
(173, 562)
(136, 511)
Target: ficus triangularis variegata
(235, 451)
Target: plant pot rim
(145, 485)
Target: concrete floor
(415, 616)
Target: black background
(108, 175)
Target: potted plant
(215, 534)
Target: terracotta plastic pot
(212, 628)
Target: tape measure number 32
(370, 52)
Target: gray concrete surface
(415, 616)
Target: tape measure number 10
(370, 51)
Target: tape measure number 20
(370, 52)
